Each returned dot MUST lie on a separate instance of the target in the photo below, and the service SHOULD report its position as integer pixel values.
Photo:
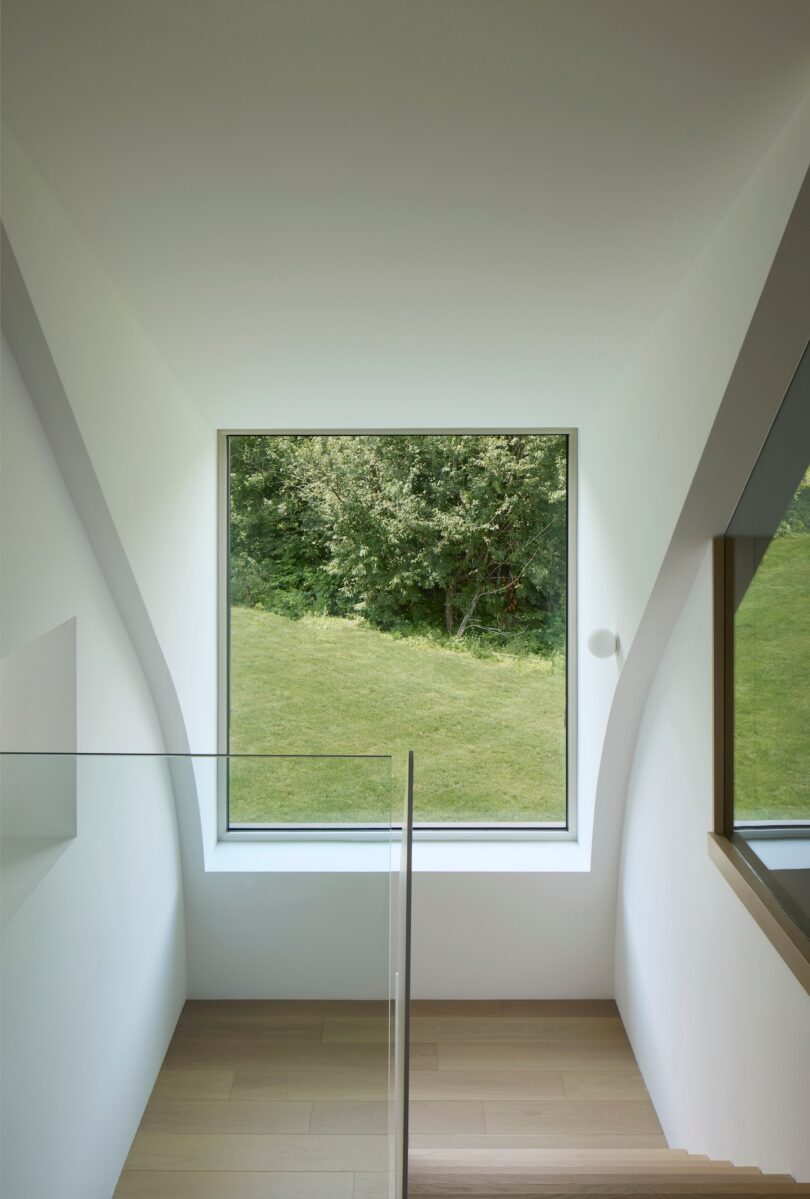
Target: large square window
(386, 592)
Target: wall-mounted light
(603, 644)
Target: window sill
(785, 936)
(314, 856)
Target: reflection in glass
(341, 791)
(768, 549)
(772, 671)
(313, 1037)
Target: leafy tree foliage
(463, 533)
(797, 518)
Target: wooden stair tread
(540, 1158)
(659, 1185)
(727, 1190)
(520, 1184)
(523, 1173)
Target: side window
(766, 692)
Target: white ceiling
(422, 212)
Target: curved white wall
(640, 453)
(93, 959)
(719, 1024)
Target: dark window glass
(772, 671)
(769, 541)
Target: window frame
(727, 847)
(438, 832)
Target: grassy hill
(772, 694)
(489, 733)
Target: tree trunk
(449, 605)
(467, 617)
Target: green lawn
(488, 733)
(772, 687)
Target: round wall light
(603, 644)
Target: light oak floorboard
(567, 1116)
(196, 1184)
(447, 1118)
(201, 1116)
(489, 1084)
(489, 1158)
(514, 1007)
(282, 1031)
(456, 1007)
(534, 1055)
(464, 1185)
(261, 1054)
(539, 1028)
(371, 1186)
(639, 1184)
(603, 1084)
(297, 1009)
(559, 1007)
(242, 1052)
(308, 1153)
(262, 1085)
(636, 1140)
(441, 1118)
(371, 1029)
(194, 1084)
(354, 1117)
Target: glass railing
(305, 969)
(306, 791)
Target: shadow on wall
(37, 795)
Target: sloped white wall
(639, 456)
(93, 961)
(719, 1024)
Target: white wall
(641, 451)
(146, 440)
(719, 1024)
(93, 961)
(530, 932)
(154, 458)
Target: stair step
(573, 1192)
(585, 1186)
(541, 1156)
(526, 1173)
(536, 1162)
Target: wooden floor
(287, 1100)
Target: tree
(466, 529)
(796, 521)
(279, 548)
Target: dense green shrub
(797, 517)
(461, 537)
